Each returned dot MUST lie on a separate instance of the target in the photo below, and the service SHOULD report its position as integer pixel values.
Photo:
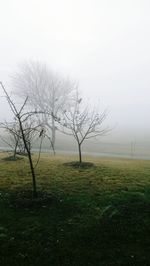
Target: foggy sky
(103, 44)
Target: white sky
(104, 44)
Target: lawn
(98, 216)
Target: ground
(97, 216)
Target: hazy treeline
(54, 104)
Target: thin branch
(23, 105)
(11, 104)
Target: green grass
(98, 216)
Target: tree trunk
(80, 153)
(15, 150)
(33, 175)
(30, 159)
(53, 134)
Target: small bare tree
(46, 90)
(13, 136)
(27, 129)
(82, 123)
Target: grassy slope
(98, 216)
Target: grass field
(98, 216)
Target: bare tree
(13, 139)
(46, 91)
(27, 129)
(82, 123)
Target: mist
(104, 46)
